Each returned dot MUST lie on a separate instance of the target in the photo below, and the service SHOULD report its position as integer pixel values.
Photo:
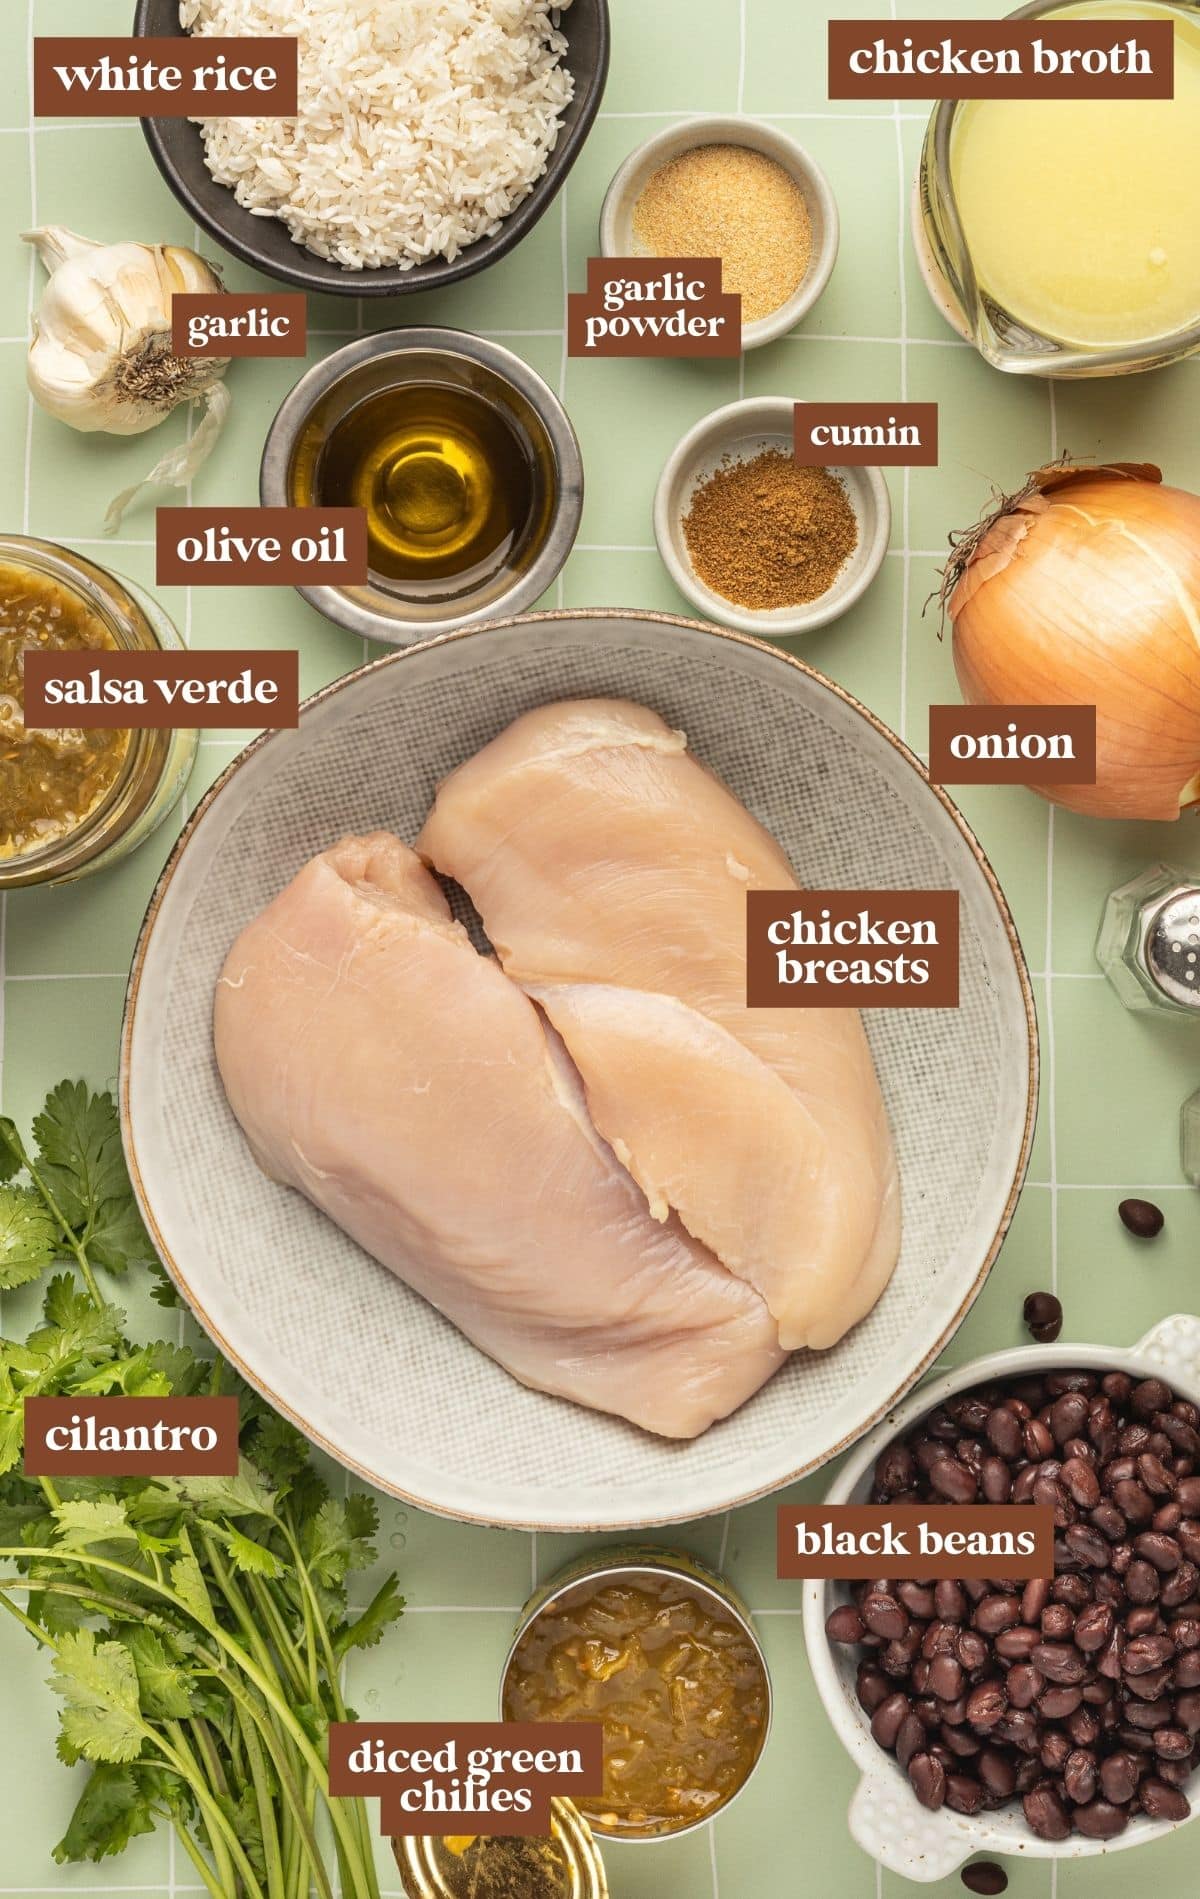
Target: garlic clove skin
(103, 329)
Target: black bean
(1161, 1801)
(1079, 1776)
(1081, 1482)
(1043, 1314)
(1141, 1218)
(963, 1794)
(1016, 1645)
(887, 1719)
(1141, 1581)
(984, 1876)
(927, 1778)
(997, 1772)
(1180, 1586)
(1034, 1597)
(946, 1678)
(995, 1613)
(1046, 1814)
(949, 1601)
(1163, 1551)
(1133, 1500)
(953, 1481)
(1057, 1622)
(986, 1705)
(1068, 1415)
(910, 1739)
(1187, 1708)
(884, 1616)
(917, 1598)
(1189, 1538)
(1172, 1744)
(1149, 1396)
(1059, 1663)
(1023, 1684)
(1119, 1774)
(845, 1624)
(1003, 1432)
(1101, 1820)
(1093, 1627)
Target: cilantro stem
(310, 1849)
(68, 1232)
(228, 1851)
(249, 1667)
(284, 1645)
(196, 1856)
(358, 1810)
(266, 1813)
(39, 1635)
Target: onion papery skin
(1086, 591)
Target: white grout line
(870, 118)
(712, 1859)
(1049, 979)
(906, 488)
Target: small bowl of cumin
(736, 189)
(755, 540)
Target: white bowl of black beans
(1045, 1719)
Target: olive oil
(445, 480)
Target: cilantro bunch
(196, 1626)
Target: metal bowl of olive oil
(465, 462)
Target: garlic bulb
(101, 355)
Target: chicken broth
(677, 1683)
(50, 780)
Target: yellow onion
(1084, 589)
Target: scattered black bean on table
(1043, 1314)
(1078, 1696)
(1141, 1218)
(986, 1877)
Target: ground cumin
(767, 533)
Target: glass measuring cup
(943, 252)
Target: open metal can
(570, 1867)
(639, 1565)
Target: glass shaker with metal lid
(1149, 942)
(566, 1865)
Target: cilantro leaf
(99, 1684)
(240, 1496)
(187, 1580)
(110, 1812)
(82, 1163)
(164, 1686)
(29, 1236)
(386, 1606)
(80, 1524)
(249, 1557)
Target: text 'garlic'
(101, 354)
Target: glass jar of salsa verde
(74, 800)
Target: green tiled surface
(1112, 1083)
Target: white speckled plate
(363, 1365)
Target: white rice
(422, 123)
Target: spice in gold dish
(50, 780)
(766, 533)
(566, 1864)
(446, 483)
(740, 205)
(677, 1682)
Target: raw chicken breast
(611, 871)
(396, 1077)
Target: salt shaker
(1149, 942)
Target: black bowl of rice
(432, 135)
